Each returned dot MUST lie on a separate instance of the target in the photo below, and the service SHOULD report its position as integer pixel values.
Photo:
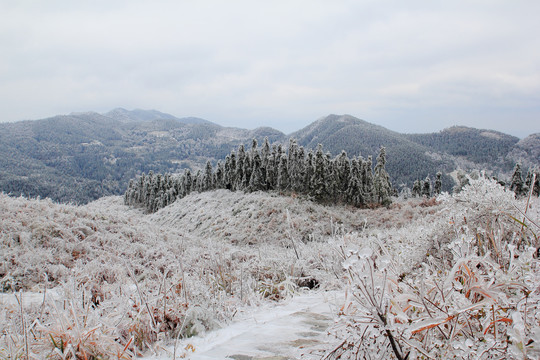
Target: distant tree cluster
(523, 187)
(271, 168)
(424, 187)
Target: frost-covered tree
(219, 176)
(256, 181)
(417, 189)
(354, 189)
(208, 178)
(227, 176)
(438, 184)
(271, 176)
(283, 175)
(300, 169)
(367, 180)
(239, 174)
(319, 181)
(248, 168)
(426, 187)
(343, 174)
(516, 184)
(308, 172)
(382, 187)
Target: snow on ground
(293, 329)
(194, 264)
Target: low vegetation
(448, 277)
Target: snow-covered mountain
(83, 156)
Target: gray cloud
(409, 66)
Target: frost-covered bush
(475, 294)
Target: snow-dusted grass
(107, 281)
(474, 294)
(125, 282)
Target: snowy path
(272, 332)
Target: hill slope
(407, 161)
(83, 156)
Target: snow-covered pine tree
(343, 174)
(265, 152)
(381, 181)
(232, 172)
(292, 167)
(256, 182)
(308, 172)
(188, 182)
(219, 176)
(426, 187)
(197, 181)
(254, 146)
(332, 178)
(319, 180)
(227, 173)
(367, 180)
(208, 178)
(354, 189)
(438, 184)
(248, 168)
(265, 155)
(283, 175)
(300, 164)
(536, 185)
(516, 184)
(417, 188)
(239, 174)
(271, 175)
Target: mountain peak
(140, 115)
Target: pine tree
(227, 173)
(381, 181)
(248, 168)
(417, 188)
(219, 176)
(319, 184)
(300, 164)
(292, 167)
(426, 188)
(438, 184)
(271, 175)
(308, 172)
(188, 182)
(343, 174)
(256, 181)
(354, 189)
(265, 155)
(208, 177)
(367, 180)
(232, 172)
(516, 184)
(283, 175)
(239, 175)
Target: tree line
(531, 183)
(273, 168)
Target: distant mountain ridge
(82, 156)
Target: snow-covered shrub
(475, 294)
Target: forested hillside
(407, 160)
(479, 146)
(81, 157)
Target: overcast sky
(411, 66)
